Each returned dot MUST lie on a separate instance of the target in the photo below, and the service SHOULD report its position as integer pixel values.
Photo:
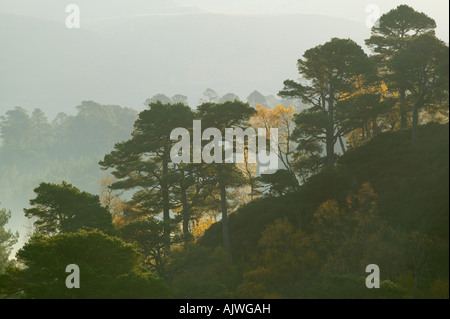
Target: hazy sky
(120, 23)
(349, 9)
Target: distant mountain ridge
(126, 60)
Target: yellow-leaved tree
(282, 118)
(110, 199)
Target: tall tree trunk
(165, 198)
(342, 144)
(186, 216)
(403, 110)
(414, 124)
(376, 128)
(415, 120)
(225, 233)
(330, 131)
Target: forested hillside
(337, 188)
(404, 187)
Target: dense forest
(363, 153)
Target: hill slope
(412, 185)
